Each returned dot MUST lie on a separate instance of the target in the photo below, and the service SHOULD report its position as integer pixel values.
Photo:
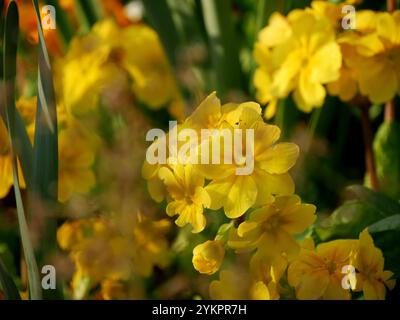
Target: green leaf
(23, 147)
(391, 223)
(7, 284)
(355, 215)
(45, 157)
(380, 201)
(387, 156)
(11, 33)
(223, 45)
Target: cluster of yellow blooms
(110, 55)
(114, 251)
(92, 63)
(270, 217)
(308, 49)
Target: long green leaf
(44, 192)
(391, 223)
(45, 157)
(223, 44)
(23, 147)
(9, 288)
(11, 33)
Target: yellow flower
(318, 274)
(371, 277)
(272, 161)
(270, 229)
(76, 158)
(208, 256)
(235, 193)
(371, 58)
(113, 249)
(237, 285)
(118, 290)
(109, 52)
(297, 54)
(189, 198)
(27, 110)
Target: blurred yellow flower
(108, 248)
(76, 159)
(108, 52)
(318, 274)
(270, 229)
(189, 198)
(237, 285)
(27, 110)
(371, 277)
(371, 58)
(296, 54)
(208, 256)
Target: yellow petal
(279, 158)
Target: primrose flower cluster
(309, 54)
(114, 252)
(266, 217)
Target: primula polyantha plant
(232, 190)
(266, 217)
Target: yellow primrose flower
(369, 262)
(371, 58)
(297, 54)
(110, 52)
(118, 290)
(318, 274)
(270, 229)
(76, 158)
(237, 285)
(186, 188)
(272, 161)
(208, 256)
(27, 110)
(112, 248)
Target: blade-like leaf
(23, 147)
(391, 223)
(44, 191)
(11, 33)
(9, 288)
(45, 157)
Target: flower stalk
(390, 111)
(369, 154)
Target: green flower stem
(369, 154)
